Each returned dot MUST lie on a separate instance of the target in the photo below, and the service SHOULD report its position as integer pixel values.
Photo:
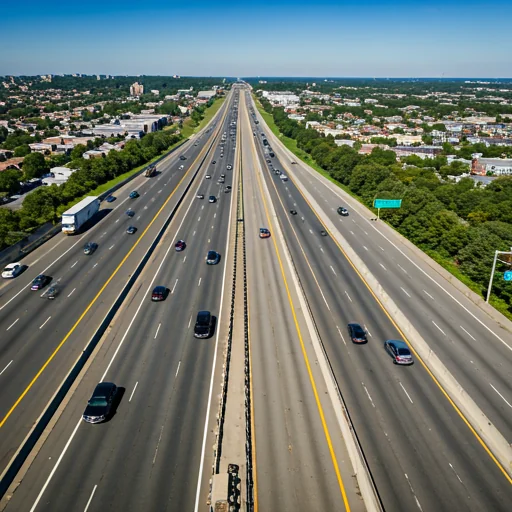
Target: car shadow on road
(116, 403)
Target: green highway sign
(387, 203)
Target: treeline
(47, 203)
(457, 223)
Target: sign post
(386, 203)
(507, 276)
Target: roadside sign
(507, 276)
(387, 203)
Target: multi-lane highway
(155, 452)
(420, 451)
(475, 346)
(300, 460)
(41, 339)
(148, 456)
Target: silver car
(399, 351)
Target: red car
(180, 245)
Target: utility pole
(496, 253)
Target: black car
(357, 333)
(212, 199)
(293, 212)
(204, 325)
(51, 292)
(131, 230)
(159, 293)
(180, 245)
(99, 405)
(212, 258)
(183, 157)
(40, 282)
(214, 162)
(110, 199)
(323, 233)
(342, 211)
(130, 213)
(90, 247)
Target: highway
(41, 339)
(155, 452)
(420, 452)
(295, 467)
(149, 455)
(475, 347)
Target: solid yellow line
(251, 392)
(49, 360)
(306, 359)
(443, 391)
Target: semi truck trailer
(74, 218)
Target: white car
(208, 177)
(12, 270)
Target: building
(58, 176)
(283, 98)
(494, 166)
(206, 95)
(344, 142)
(136, 89)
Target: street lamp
(496, 253)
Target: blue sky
(380, 38)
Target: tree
(9, 224)
(34, 166)
(22, 150)
(78, 151)
(440, 127)
(40, 206)
(10, 181)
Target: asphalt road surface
(476, 348)
(301, 462)
(420, 452)
(41, 339)
(149, 454)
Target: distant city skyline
(325, 38)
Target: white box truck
(78, 215)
